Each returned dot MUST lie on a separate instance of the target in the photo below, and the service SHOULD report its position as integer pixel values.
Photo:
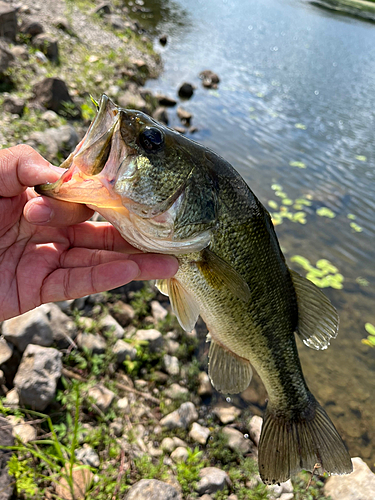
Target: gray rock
(6, 351)
(63, 24)
(123, 405)
(153, 337)
(206, 497)
(236, 440)
(161, 115)
(103, 397)
(6, 439)
(109, 324)
(102, 9)
(175, 391)
(25, 432)
(31, 27)
(152, 489)
(180, 454)
(184, 115)
(255, 428)
(132, 99)
(13, 105)
(158, 311)
(8, 21)
(37, 376)
(227, 414)
(186, 90)
(56, 140)
(170, 444)
(199, 433)
(52, 119)
(12, 398)
(123, 313)
(181, 418)
(359, 485)
(205, 386)
(171, 364)
(20, 52)
(6, 57)
(52, 93)
(87, 456)
(286, 496)
(48, 45)
(212, 480)
(94, 343)
(124, 351)
(62, 326)
(31, 327)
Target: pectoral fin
(318, 321)
(229, 373)
(183, 303)
(219, 274)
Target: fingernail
(39, 213)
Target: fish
(168, 194)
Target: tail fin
(289, 444)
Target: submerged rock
(186, 90)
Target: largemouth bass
(165, 193)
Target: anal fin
(229, 373)
(318, 321)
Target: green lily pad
(276, 187)
(351, 216)
(273, 204)
(325, 212)
(362, 281)
(370, 328)
(287, 201)
(298, 164)
(356, 227)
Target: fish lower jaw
(144, 237)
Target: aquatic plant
(370, 329)
(298, 164)
(283, 212)
(326, 212)
(300, 126)
(324, 275)
(361, 158)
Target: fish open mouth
(93, 165)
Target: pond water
(296, 108)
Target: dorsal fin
(229, 373)
(318, 321)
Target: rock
(172, 346)
(117, 427)
(52, 93)
(163, 39)
(62, 326)
(153, 337)
(206, 497)
(171, 364)
(180, 454)
(158, 311)
(184, 116)
(124, 351)
(93, 342)
(48, 45)
(61, 23)
(209, 79)
(199, 433)
(170, 444)
(31, 27)
(6, 439)
(37, 376)
(102, 9)
(109, 324)
(175, 391)
(8, 22)
(186, 90)
(255, 428)
(56, 140)
(286, 496)
(6, 351)
(180, 130)
(227, 414)
(133, 100)
(123, 313)
(116, 22)
(88, 456)
(123, 405)
(274, 490)
(103, 397)
(236, 440)
(160, 114)
(12, 398)
(21, 430)
(152, 489)
(52, 119)
(6, 57)
(181, 418)
(165, 100)
(359, 485)
(20, 52)
(82, 478)
(212, 480)
(13, 105)
(31, 327)
(205, 386)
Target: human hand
(47, 251)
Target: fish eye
(151, 139)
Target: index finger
(21, 166)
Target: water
(297, 85)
